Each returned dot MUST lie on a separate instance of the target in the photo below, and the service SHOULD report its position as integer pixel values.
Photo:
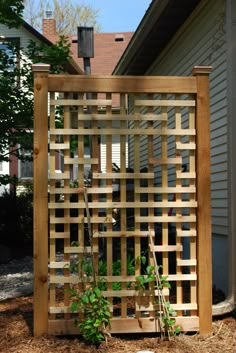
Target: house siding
(20, 33)
(4, 169)
(202, 41)
(24, 38)
(231, 95)
(115, 152)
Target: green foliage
(94, 307)
(56, 55)
(116, 271)
(166, 313)
(84, 266)
(16, 219)
(90, 302)
(16, 94)
(16, 105)
(169, 321)
(11, 12)
(143, 280)
(96, 322)
(164, 283)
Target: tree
(16, 93)
(11, 12)
(67, 13)
(16, 105)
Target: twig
(90, 233)
(217, 333)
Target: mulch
(16, 326)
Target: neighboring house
(172, 37)
(23, 34)
(108, 48)
(4, 169)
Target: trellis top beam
(122, 84)
(40, 67)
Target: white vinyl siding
(201, 41)
(4, 169)
(21, 33)
(25, 169)
(115, 152)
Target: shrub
(16, 219)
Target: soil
(16, 316)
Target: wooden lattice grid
(155, 196)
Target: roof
(108, 48)
(161, 21)
(71, 66)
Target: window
(25, 168)
(6, 49)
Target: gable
(22, 33)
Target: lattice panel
(155, 195)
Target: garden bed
(16, 317)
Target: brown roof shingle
(108, 48)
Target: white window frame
(20, 163)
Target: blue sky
(119, 15)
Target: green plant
(116, 271)
(96, 316)
(169, 320)
(16, 86)
(165, 313)
(89, 301)
(143, 280)
(16, 219)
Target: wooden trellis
(165, 128)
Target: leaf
(149, 279)
(74, 306)
(92, 298)
(143, 260)
(97, 323)
(74, 243)
(177, 330)
(167, 285)
(149, 269)
(107, 313)
(171, 322)
(97, 292)
(85, 299)
(139, 278)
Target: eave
(161, 21)
(70, 66)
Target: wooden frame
(41, 199)
(167, 114)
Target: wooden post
(40, 198)
(204, 244)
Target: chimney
(48, 14)
(49, 24)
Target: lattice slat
(145, 129)
(140, 203)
